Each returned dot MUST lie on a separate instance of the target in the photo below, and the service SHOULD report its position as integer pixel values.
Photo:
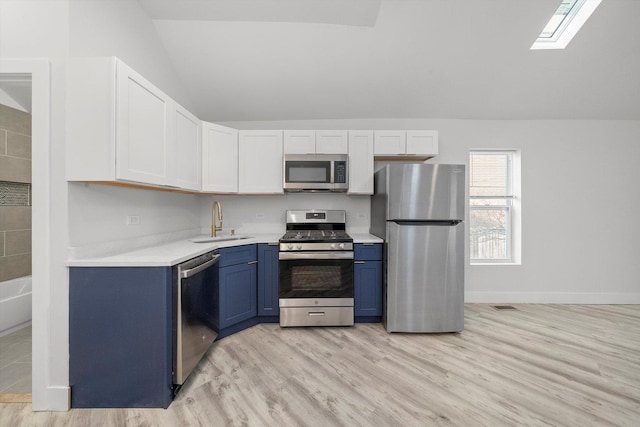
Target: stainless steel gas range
(316, 270)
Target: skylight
(565, 23)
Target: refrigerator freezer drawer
(425, 278)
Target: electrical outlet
(259, 216)
(133, 219)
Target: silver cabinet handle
(195, 270)
(358, 262)
(252, 262)
(316, 313)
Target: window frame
(568, 27)
(511, 206)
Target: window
(565, 23)
(493, 206)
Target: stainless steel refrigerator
(418, 209)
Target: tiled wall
(15, 166)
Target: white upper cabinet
(390, 142)
(219, 159)
(260, 162)
(144, 144)
(120, 127)
(418, 144)
(422, 142)
(360, 162)
(316, 142)
(187, 145)
(332, 142)
(299, 141)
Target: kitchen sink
(220, 239)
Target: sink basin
(219, 239)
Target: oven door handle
(315, 255)
(195, 270)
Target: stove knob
(299, 247)
(341, 245)
(289, 246)
(333, 246)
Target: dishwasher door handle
(195, 270)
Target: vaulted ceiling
(332, 59)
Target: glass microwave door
(308, 172)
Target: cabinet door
(299, 141)
(367, 288)
(237, 293)
(120, 341)
(422, 142)
(268, 278)
(143, 143)
(187, 145)
(219, 159)
(389, 142)
(331, 142)
(360, 162)
(260, 162)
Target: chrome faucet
(214, 227)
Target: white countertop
(365, 238)
(176, 252)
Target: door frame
(48, 355)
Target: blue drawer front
(368, 252)
(237, 255)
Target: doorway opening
(15, 238)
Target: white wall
(97, 218)
(123, 29)
(266, 214)
(580, 204)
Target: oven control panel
(316, 215)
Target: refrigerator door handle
(445, 222)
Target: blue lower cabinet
(367, 271)
(120, 337)
(237, 294)
(237, 285)
(268, 280)
(367, 288)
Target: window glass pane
(490, 174)
(490, 202)
(558, 17)
(489, 233)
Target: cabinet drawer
(368, 252)
(237, 255)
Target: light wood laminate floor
(562, 365)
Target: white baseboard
(552, 297)
(53, 399)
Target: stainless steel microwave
(315, 172)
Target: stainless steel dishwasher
(194, 283)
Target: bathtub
(15, 304)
